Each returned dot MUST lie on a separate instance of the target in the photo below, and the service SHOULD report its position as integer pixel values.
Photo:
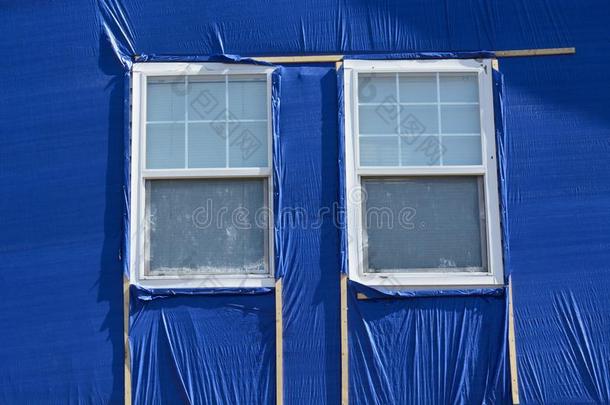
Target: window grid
(186, 122)
(439, 135)
(398, 121)
(226, 121)
(203, 121)
(438, 117)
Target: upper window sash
(379, 111)
(224, 123)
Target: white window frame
(139, 175)
(488, 169)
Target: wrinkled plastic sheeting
(423, 55)
(558, 196)
(434, 350)
(308, 239)
(216, 349)
(398, 293)
(68, 339)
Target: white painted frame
(139, 175)
(488, 170)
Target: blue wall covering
(61, 176)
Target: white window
(201, 183)
(422, 194)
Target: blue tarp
(310, 244)
(433, 350)
(213, 349)
(62, 121)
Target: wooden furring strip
(338, 58)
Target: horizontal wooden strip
(338, 58)
(535, 52)
(300, 59)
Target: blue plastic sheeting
(203, 350)
(61, 153)
(424, 55)
(397, 293)
(449, 350)
(145, 294)
(559, 222)
(309, 239)
(61, 172)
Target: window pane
(417, 88)
(247, 99)
(418, 119)
(206, 226)
(164, 146)
(165, 99)
(379, 151)
(379, 119)
(206, 98)
(207, 145)
(211, 119)
(460, 119)
(461, 150)
(248, 144)
(425, 109)
(427, 224)
(377, 88)
(420, 150)
(459, 87)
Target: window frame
(354, 174)
(140, 174)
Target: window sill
(429, 281)
(207, 281)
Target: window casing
(421, 177)
(201, 178)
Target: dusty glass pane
(205, 226)
(424, 224)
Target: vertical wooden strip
(127, 359)
(512, 349)
(511, 345)
(344, 337)
(279, 345)
(344, 343)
